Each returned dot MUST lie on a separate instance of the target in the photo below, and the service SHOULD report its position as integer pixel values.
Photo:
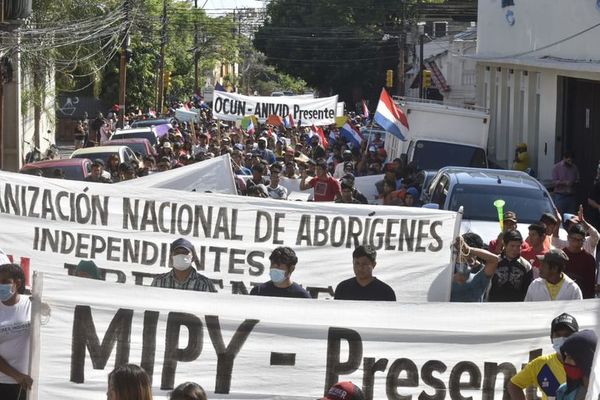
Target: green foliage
(337, 46)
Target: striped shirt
(194, 281)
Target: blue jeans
(566, 203)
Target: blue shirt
(471, 291)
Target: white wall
(539, 23)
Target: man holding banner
(364, 286)
(183, 275)
(283, 262)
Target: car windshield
(144, 123)
(136, 135)
(94, 156)
(137, 148)
(436, 155)
(478, 202)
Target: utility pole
(400, 80)
(421, 63)
(123, 67)
(161, 65)
(196, 52)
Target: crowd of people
(321, 158)
(511, 268)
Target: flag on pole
(319, 132)
(365, 110)
(289, 122)
(390, 117)
(248, 125)
(349, 133)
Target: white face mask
(557, 342)
(277, 275)
(181, 262)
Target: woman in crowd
(129, 382)
(188, 391)
(15, 332)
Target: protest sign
(214, 175)
(184, 115)
(276, 348)
(364, 184)
(127, 232)
(305, 111)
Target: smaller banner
(209, 176)
(305, 111)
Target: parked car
(476, 189)
(73, 169)
(139, 146)
(148, 133)
(104, 152)
(146, 123)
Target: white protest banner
(187, 116)
(214, 175)
(305, 111)
(127, 231)
(276, 348)
(365, 184)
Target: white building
(452, 74)
(538, 72)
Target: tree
(337, 46)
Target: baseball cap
(344, 391)
(510, 216)
(181, 242)
(564, 320)
(549, 217)
(98, 162)
(167, 145)
(554, 256)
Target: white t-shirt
(15, 332)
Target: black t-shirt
(269, 289)
(511, 280)
(376, 290)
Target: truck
(441, 135)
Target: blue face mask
(6, 291)
(277, 275)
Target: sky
(216, 4)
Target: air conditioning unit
(14, 10)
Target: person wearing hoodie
(545, 372)
(578, 356)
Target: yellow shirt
(545, 372)
(554, 289)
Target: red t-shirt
(581, 267)
(325, 189)
(530, 255)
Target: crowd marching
(539, 266)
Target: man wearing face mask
(546, 372)
(578, 355)
(15, 331)
(283, 262)
(183, 275)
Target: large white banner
(275, 348)
(127, 231)
(214, 175)
(364, 184)
(305, 111)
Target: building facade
(538, 71)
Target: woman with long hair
(129, 382)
